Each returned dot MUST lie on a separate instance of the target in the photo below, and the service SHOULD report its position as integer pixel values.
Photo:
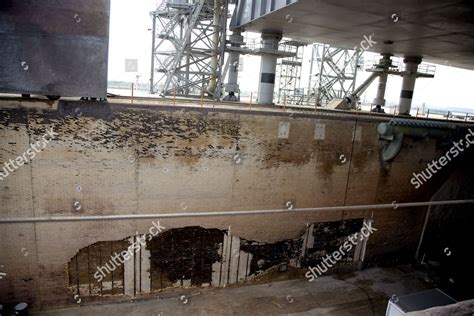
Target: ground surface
(361, 293)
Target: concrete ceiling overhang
(440, 31)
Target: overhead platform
(439, 31)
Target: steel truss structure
(332, 75)
(188, 46)
(289, 74)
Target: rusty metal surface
(55, 47)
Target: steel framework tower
(333, 73)
(188, 47)
(289, 74)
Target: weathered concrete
(130, 159)
(365, 293)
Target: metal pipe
(352, 99)
(393, 205)
(152, 75)
(365, 84)
(422, 235)
(380, 97)
(384, 64)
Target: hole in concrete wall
(184, 256)
(83, 266)
(196, 256)
(266, 256)
(323, 239)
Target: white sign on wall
(320, 132)
(284, 130)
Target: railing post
(202, 97)
(174, 96)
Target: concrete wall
(127, 159)
(446, 250)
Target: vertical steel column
(222, 49)
(152, 75)
(268, 68)
(236, 40)
(408, 84)
(215, 46)
(384, 64)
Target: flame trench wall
(134, 159)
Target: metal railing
(392, 205)
(255, 44)
(398, 64)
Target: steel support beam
(268, 65)
(384, 65)
(408, 85)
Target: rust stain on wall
(286, 152)
(362, 157)
(328, 158)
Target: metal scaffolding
(332, 75)
(188, 47)
(289, 74)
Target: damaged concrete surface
(365, 293)
(139, 159)
(195, 256)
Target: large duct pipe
(408, 84)
(268, 68)
(395, 131)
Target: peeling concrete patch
(195, 256)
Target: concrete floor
(360, 293)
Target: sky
(130, 38)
